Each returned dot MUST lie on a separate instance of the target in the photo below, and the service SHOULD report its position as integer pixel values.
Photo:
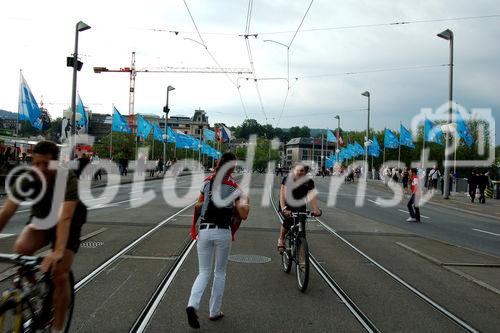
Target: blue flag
(390, 139)
(80, 109)
(358, 149)
(158, 133)
(143, 127)
(172, 136)
(374, 148)
(330, 137)
(329, 163)
(351, 151)
(343, 154)
(209, 135)
(205, 149)
(433, 133)
(195, 144)
(119, 124)
(28, 107)
(183, 141)
(463, 131)
(405, 138)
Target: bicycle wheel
(302, 263)
(286, 257)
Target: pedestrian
(160, 166)
(434, 176)
(413, 204)
(405, 179)
(395, 175)
(472, 180)
(482, 183)
(216, 231)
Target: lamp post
(77, 65)
(338, 137)
(367, 94)
(448, 35)
(165, 110)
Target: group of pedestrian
(478, 179)
(391, 174)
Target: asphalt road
(456, 227)
(259, 296)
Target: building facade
(307, 149)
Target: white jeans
(212, 243)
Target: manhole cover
(249, 259)
(91, 244)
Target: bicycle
(30, 297)
(297, 249)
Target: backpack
(220, 216)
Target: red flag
(339, 137)
(217, 134)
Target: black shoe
(192, 317)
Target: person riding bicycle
(294, 192)
(64, 237)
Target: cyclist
(64, 237)
(301, 188)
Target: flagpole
(322, 137)
(455, 154)
(399, 154)
(111, 142)
(153, 152)
(20, 100)
(423, 149)
(136, 147)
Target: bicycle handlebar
(307, 214)
(20, 260)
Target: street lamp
(448, 35)
(367, 94)
(166, 110)
(338, 137)
(77, 65)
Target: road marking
(111, 260)
(486, 232)
(407, 212)
(150, 258)
(6, 235)
(375, 202)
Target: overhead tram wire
(214, 59)
(250, 57)
(371, 71)
(380, 70)
(288, 62)
(357, 26)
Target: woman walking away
(217, 228)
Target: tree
(262, 154)
(304, 132)
(294, 132)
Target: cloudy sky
(37, 36)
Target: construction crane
(132, 70)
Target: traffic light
(69, 63)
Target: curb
(464, 210)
